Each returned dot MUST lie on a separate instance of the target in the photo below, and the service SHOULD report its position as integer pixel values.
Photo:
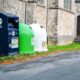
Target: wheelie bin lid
(25, 29)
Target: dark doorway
(78, 26)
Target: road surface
(60, 67)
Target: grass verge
(51, 50)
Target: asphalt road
(60, 67)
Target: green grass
(73, 46)
(54, 48)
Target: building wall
(61, 5)
(66, 27)
(36, 12)
(78, 9)
(29, 12)
(77, 12)
(45, 14)
(39, 15)
(52, 26)
(52, 21)
(66, 24)
(58, 22)
(13, 6)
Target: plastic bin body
(25, 39)
(8, 34)
(40, 38)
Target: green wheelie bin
(26, 36)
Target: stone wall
(40, 15)
(58, 23)
(52, 26)
(46, 15)
(29, 12)
(13, 6)
(66, 27)
(77, 9)
(61, 5)
(77, 13)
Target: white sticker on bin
(14, 43)
(1, 21)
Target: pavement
(64, 66)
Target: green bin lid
(25, 29)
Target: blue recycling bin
(8, 34)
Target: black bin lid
(9, 14)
